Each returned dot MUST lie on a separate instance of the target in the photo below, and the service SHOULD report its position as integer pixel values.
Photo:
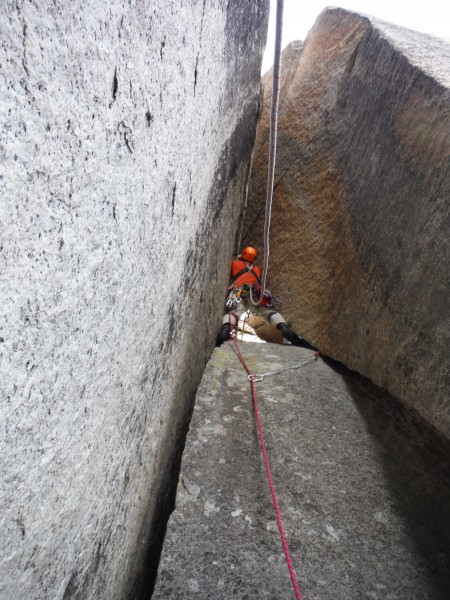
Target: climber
(245, 282)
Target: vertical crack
(115, 88)
(195, 74)
(24, 55)
(174, 191)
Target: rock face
(126, 132)
(363, 489)
(359, 235)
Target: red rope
(269, 477)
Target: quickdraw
(260, 376)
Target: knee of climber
(275, 319)
(230, 318)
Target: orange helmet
(248, 254)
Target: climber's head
(248, 254)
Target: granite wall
(360, 222)
(126, 133)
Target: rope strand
(272, 143)
(287, 554)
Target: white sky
(428, 16)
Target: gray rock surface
(359, 235)
(363, 488)
(126, 132)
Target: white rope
(272, 142)
(261, 376)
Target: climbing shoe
(292, 337)
(224, 334)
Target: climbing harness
(287, 554)
(246, 292)
(260, 376)
(272, 138)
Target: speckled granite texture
(125, 139)
(363, 487)
(359, 233)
